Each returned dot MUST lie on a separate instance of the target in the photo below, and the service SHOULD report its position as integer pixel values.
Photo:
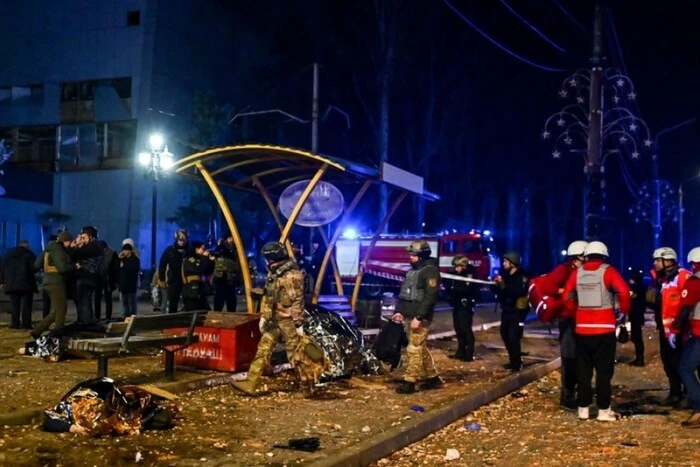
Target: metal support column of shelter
(370, 247)
(336, 272)
(240, 251)
(273, 209)
(334, 239)
(300, 204)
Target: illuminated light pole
(156, 160)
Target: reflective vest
(594, 314)
(671, 299)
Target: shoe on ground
(670, 400)
(684, 404)
(456, 356)
(507, 366)
(637, 362)
(568, 406)
(583, 413)
(246, 387)
(467, 358)
(406, 388)
(516, 368)
(431, 383)
(692, 422)
(606, 415)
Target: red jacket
(544, 295)
(597, 321)
(690, 298)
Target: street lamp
(156, 161)
(680, 214)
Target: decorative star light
(545, 134)
(623, 139)
(568, 140)
(573, 83)
(632, 96)
(580, 100)
(556, 154)
(563, 93)
(633, 127)
(635, 155)
(647, 143)
(561, 122)
(620, 83)
(616, 99)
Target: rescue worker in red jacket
(591, 292)
(687, 325)
(550, 306)
(664, 297)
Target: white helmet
(694, 255)
(666, 253)
(576, 248)
(596, 248)
(128, 241)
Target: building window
(133, 18)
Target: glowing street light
(156, 142)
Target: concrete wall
(19, 220)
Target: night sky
(488, 108)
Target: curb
(370, 450)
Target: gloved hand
(672, 340)
(300, 330)
(261, 324)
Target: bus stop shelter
(267, 170)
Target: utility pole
(314, 113)
(594, 153)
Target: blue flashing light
(563, 252)
(487, 233)
(350, 234)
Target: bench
(142, 332)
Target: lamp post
(156, 160)
(680, 214)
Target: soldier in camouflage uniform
(417, 299)
(282, 314)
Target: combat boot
(406, 388)
(246, 387)
(639, 361)
(431, 383)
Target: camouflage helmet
(181, 234)
(274, 251)
(513, 257)
(419, 248)
(460, 260)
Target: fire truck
(388, 262)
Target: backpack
(391, 339)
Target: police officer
(664, 298)
(417, 299)
(637, 310)
(195, 268)
(511, 288)
(464, 296)
(282, 313)
(227, 274)
(169, 270)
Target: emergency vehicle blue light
(350, 234)
(487, 233)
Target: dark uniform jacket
(172, 262)
(89, 256)
(464, 295)
(512, 295)
(194, 269)
(420, 290)
(56, 264)
(17, 271)
(129, 269)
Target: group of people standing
(590, 298)
(83, 268)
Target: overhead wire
(533, 27)
(570, 16)
(499, 45)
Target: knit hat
(128, 241)
(65, 236)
